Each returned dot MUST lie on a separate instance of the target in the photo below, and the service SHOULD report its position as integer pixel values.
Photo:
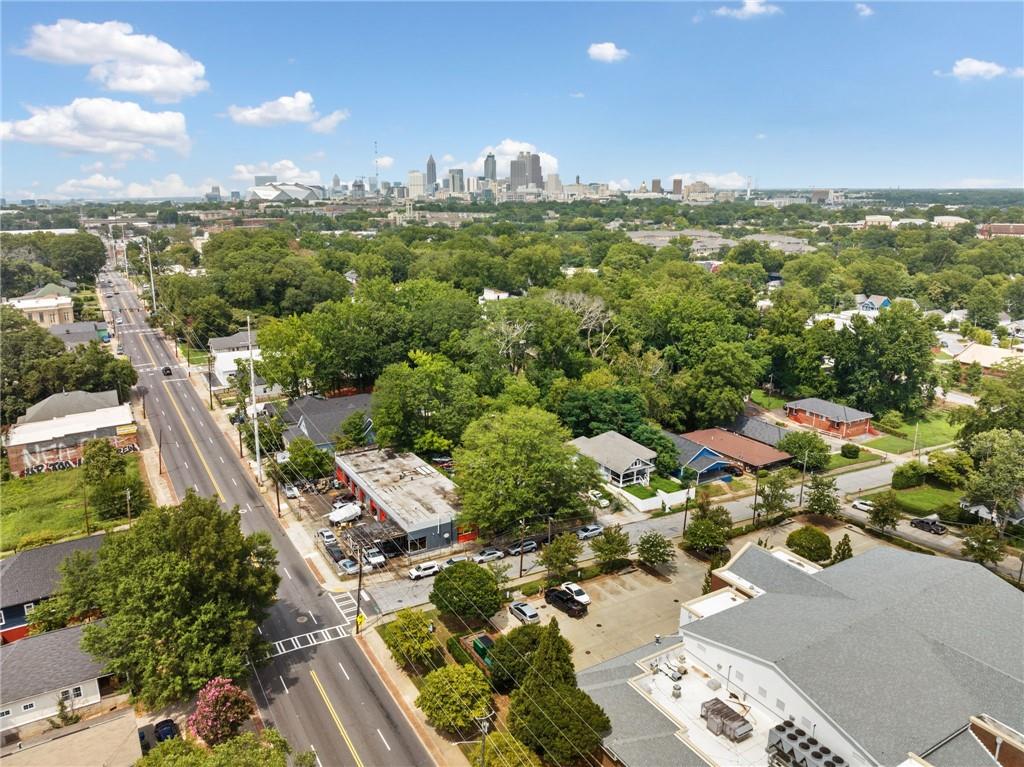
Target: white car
(326, 536)
(863, 505)
(599, 499)
(589, 531)
(373, 558)
(488, 555)
(576, 592)
(290, 491)
(524, 612)
(423, 570)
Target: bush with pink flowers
(221, 709)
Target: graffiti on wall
(26, 462)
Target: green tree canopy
(886, 511)
(654, 549)
(466, 590)
(823, 497)
(810, 543)
(612, 547)
(410, 639)
(503, 750)
(561, 556)
(452, 697)
(981, 544)
(806, 445)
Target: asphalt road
(327, 695)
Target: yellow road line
(337, 721)
(181, 416)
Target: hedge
(850, 450)
(458, 651)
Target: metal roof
(830, 410)
(44, 663)
(78, 423)
(236, 341)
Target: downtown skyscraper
(490, 167)
(431, 172)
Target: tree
(717, 514)
(268, 749)
(221, 709)
(561, 556)
(981, 544)
(452, 697)
(704, 535)
(1000, 404)
(810, 543)
(181, 593)
(101, 461)
(76, 598)
(952, 468)
(467, 591)
(806, 445)
(512, 656)
(999, 479)
(515, 465)
(886, 511)
(775, 496)
(823, 498)
(909, 474)
(611, 548)
(984, 304)
(306, 459)
(842, 551)
(116, 496)
(973, 377)
(503, 750)
(654, 549)
(352, 432)
(410, 640)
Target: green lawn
(195, 357)
(838, 461)
(648, 491)
(766, 401)
(925, 499)
(933, 429)
(48, 504)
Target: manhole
(676, 601)
(586, 652)
(302, 619)
(598, 625)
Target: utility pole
(152, 282)
(240, 440)
(522, 541)
(277, 493)
(209, 376)
(252, 392)
(485, 724)
(128, 498)
(803, 473)
(359, 587)
(757, 486)
(85, 505)
(160, 451)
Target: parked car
(565, 602)
(863, 505)
(373, 558)
(423, 570)
(343, 511)
(589, 531)
(120, 321)
(325, 535)
(521, 548)
(929, 526)
(576, 591)
(453, 561)
(290, 491)
(166, 370)
(488, 555)
(334, 552)
(349, 566)
(524, 612)
(600, 500)
(165, 730)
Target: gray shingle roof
(688, 450)
(831, 410)
(46, 662)
(897, 649)
(613, 450)
(758, 429)
(34, 574)
(239, 340)
(69, 403)
(964, 749)
(768, 572)
(320, 418)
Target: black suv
(929, 526)
(565, 602)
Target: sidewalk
(404, 693)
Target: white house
(621, 460)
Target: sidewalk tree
(467, 591)
(512, 656)
(823, 498)
(806, 444)
(810, 543)
(516, 465)
(654, 549)
(410, 640)
(842, 550)
(503, 750)
(222, 708)
(886, 511)
(704, 535)
(981, 544)
(453, 697)
(561, 556)
(100, 461)
(775, 496)
(306, 460)
(611, 548)
(716, 514)
(999, 479)
(267, 749)
(181, 594)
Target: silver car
(488, 555)
(589, 531)
(524, 612)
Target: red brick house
(830, 417)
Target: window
(29, 608)
(28, 706)
(5, 713)
(418, 544)
(739, 675)
(1, 617)
(65, 694)
(76, 692)
(762, 693)
(780, 704)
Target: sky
(156, 99)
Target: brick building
(830, 417)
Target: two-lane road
(320, 691)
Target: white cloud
(81, 187)
(748, 10)
(1018, 72)
(447, 158)
(288, 109)
(620, 185)
(172, 185)
(285, 170)
(385, 161)
(102, 126)
(968, 69)
(505, 152)
(609, 53)
(120, 59)
(731, 180)
(577, 95)
(760, 136)
(864, 10)
(92, 167)
(98, 186)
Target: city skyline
(142, 101)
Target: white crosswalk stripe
(346, 604)
(305, 641)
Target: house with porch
(741, 451)
(830, 417)
(622, 461)
(708, 464)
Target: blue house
(706, 463)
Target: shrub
(221, 709)
(458, 652)
(453, 696)
(806, 446)
(849, 450)
(910, 474)
(892, 423)
(810, 543)
(504, 751)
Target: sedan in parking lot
(564, 601)
(863, 505)
(373, 558)
(524, 612)
(929, 526)
(423, 570)
(165, 730)
(576, 592)
(334, 552)
(290, 491)
(589, 531)
(348, 566)
(521, 548)
(326, 536)
(453, 561)
(488, 555)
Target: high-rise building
(335, 182)
(490, 167)
(553, 185)
(456, 183)
(235, 196)
(213, 195)
(261, 180)
(677, 186)
(656, 185)
(534, 175)
(518, 171)
(431, 172)
(417, 184)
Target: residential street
(326, 696)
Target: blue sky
(793, 94)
